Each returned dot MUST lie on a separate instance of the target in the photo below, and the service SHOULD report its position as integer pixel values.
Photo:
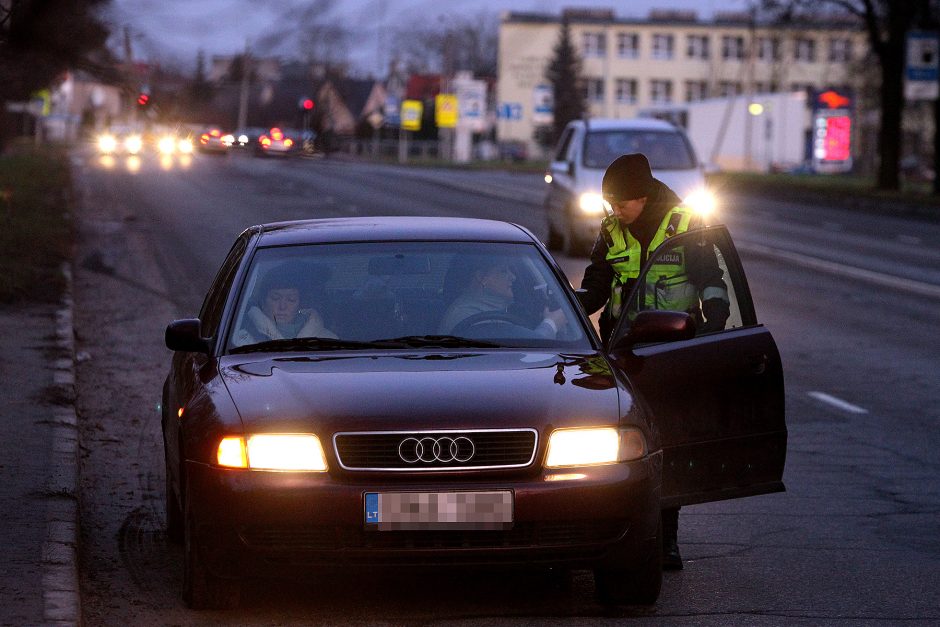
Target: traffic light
(143, 99)
(306, 104)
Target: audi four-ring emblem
(445, 449)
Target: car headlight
(273, 451)
(592, 203)
(228, 139)
(133, 144)
(594, 446)
(702, 202)
(186, 146)
(167, 145)
(107, 143)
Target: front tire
(201, 589)
(637, 585)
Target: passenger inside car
(276, 313)
(484, 300)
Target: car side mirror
(656, 326)
(186, 336)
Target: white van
(574, 203)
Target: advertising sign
(832, 131)
(392, 110)
(445, 110)
(411, 112)
(471, 98)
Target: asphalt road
(853, 302)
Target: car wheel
(638, 585)
(201, 589)
(554, 237)
(174, 515)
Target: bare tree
(887, 23)
(459, 43)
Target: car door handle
(756, 364)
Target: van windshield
(666, 150)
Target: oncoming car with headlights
(574, 203)
(426, 391)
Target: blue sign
(509, 111)
(923, 65)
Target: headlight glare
(702, 202)
(107, 143)
(285, 452)
(167, 145)
(592, 203)
(594, 446)
(186, 146)
(133, 144)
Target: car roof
(631, 124)
(390, 228)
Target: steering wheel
(486, 317)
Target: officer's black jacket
(599, 275)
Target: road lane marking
(878, 278)
(838, 402)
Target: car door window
(562, 152)
(211, 313)
(689, 269)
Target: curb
(60, 587)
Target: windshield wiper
(439, 341)
(302, 343)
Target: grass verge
(35, 224)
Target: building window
(696, 90)
(662, 46)
(660, 91)
(626, 90)
(594, 89)
(628, 45)
(760, 88)
(804, 50)
(840, 50)
(697, 47)
(594, 44)
(727, 89)
(732, 47)
(803, 87)
(768, 48)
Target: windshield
(403, 295)
(666, 150)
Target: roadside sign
(471, 97)
(543, 106)
(411, 112)
(509, 111)
(923, 66)
(832, 130)
(445, 110)
(392, 110)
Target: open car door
(718, 397)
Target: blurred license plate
(388, 511)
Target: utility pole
(243, 96)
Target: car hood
(329, 393)
(683, 182)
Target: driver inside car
(276, 313)
(485, 301)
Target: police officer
(645, 212)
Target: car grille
(441, 450)
(343, 538)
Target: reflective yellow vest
(667, 286)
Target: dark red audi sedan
(427, 391)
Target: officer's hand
(716, 312)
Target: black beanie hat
(627, 178)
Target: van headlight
(594, 446)
(702, 202)
(592, 203)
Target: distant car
(120, 140)
(214, 140)
(278, 142)
(428, 415)
(573, 202)
(247, 138)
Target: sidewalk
(39, 460)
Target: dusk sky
(174, 30)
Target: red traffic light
(143, 99)
(307, 104)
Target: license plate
(388, 511)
